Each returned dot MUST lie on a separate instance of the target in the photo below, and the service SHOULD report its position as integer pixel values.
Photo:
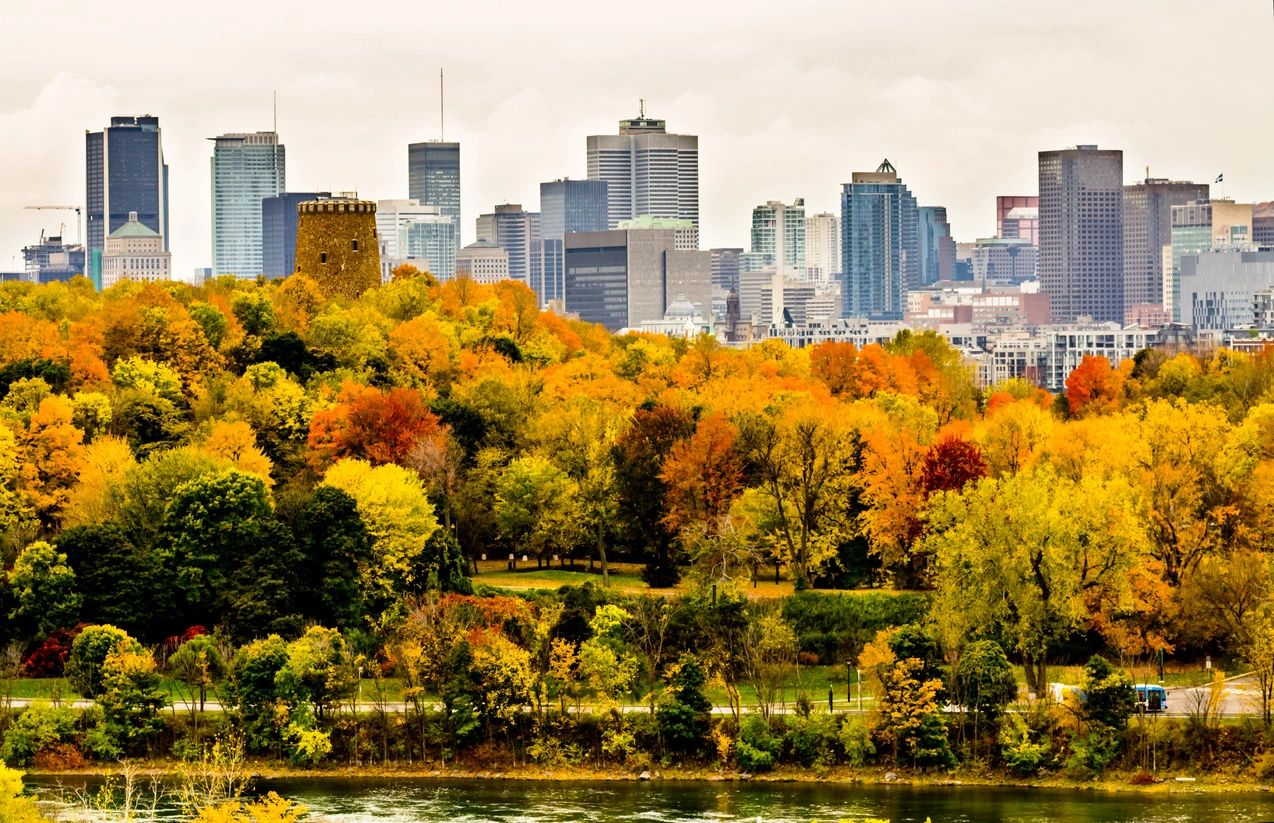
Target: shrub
(85, 666)
(685, 714)
(757, 747)
(37, 730)
(1093, 753)
(49, 658)
(855, 740)
(1110, 697)
(811, 740)
(1020, 749)
(308, 747)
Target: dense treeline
(255, 460)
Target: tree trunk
(601, 553)
(1036, 671)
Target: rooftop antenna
(276, 111)
(442, 109)
(641, 108)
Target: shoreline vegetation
(1110, 782)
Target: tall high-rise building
(648, 172)
(410, 231)
(936, 245)
(246, 169)
(822, 246)
(879, 246)
(1147, 230)
(433, 177)
(278, 230)
(515, 230)
(125, 172)
(778, 238)
(1081, 262)
(566, 206)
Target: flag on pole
(1220, 178)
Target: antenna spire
(442, 108)
(276, 111)
(641, 108)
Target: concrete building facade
(484, 262)
(1219, 288)
(647, 171)
(1147, 230)
(822, 247)
(1081, 265)
(135, 252)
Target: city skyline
(786, 112)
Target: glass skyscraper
(879, 245)
(778, 239)
(566, 206)
(433, 177)
(124, 172)
(246, 169)
(936, 246)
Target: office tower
(1147, 230)
(125, 172)
(879, 248)
(515, 230)
(647, 171)
(566, 206)
(336, 245)
(52, 260)
(278, 230)
(420, 234)
(135, 252)
(622, 278)
(433, 177)
(936, 245)
(778, 239)
(246, 169)
(725, 268)
(822, 246)
(1005, 205)
(1198, 227)
(1081, 266)
(1022, 223)
(484, 262)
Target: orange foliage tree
(374, 425)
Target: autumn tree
(1023, 552)
(370, 424)
(52, 458)
(1094, 387)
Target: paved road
(1242, 696)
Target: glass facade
(879, 248)
(124, 172)
(566, 206)
(246, 169)
(597, 284)
(433, 240)
(433, 177)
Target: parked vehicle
(1151, 698)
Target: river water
(417, 801)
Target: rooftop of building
(134, 228)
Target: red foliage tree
(950, 464)
(374, 425)
(703, 475)
(1093, 387)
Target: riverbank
(1114, 782)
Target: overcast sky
(788, 98)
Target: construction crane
(78, 238)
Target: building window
(354, 245)
(322, 257)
